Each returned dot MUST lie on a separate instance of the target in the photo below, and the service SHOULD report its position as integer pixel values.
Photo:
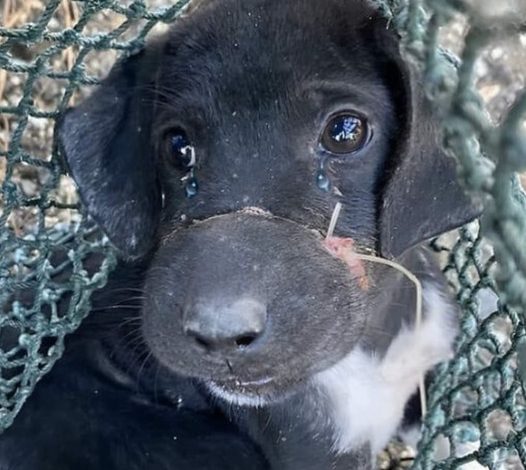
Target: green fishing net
(53, 51)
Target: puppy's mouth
(255, 392)
(245, 386)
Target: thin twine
(408, 274)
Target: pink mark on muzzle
(343, 249)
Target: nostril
(245, 340)
(200, 340)
(209, 343)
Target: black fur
(253, 83)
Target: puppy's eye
(182, 153)
(345, 133)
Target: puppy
(233, 334)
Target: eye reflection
(182, 152)
(345, 133)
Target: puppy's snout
(225, 326)
(230, 295)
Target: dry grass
(70, 14)
(16, 13)
(47, 94)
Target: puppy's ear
(106, 145)
(421, 196)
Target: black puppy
(232, 335)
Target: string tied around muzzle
(343, 248)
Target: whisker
(137, 343)
(125, 289)
(380, 331)
(141, 368)
(116, 307)
(134, 331)
(130, 321)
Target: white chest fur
(368, 394)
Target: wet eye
(182, 153)
(345, 133)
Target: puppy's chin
(250, 394)
(237, 398)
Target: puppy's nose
(225, 326)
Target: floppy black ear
(422, 196)
(106, 145)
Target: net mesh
(52, 52)
(477, 413)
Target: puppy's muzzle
(246, 298)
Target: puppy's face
(221, 153)
(264, 116)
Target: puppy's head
(220, 153)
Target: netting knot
(136, 9)
(70, 37)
